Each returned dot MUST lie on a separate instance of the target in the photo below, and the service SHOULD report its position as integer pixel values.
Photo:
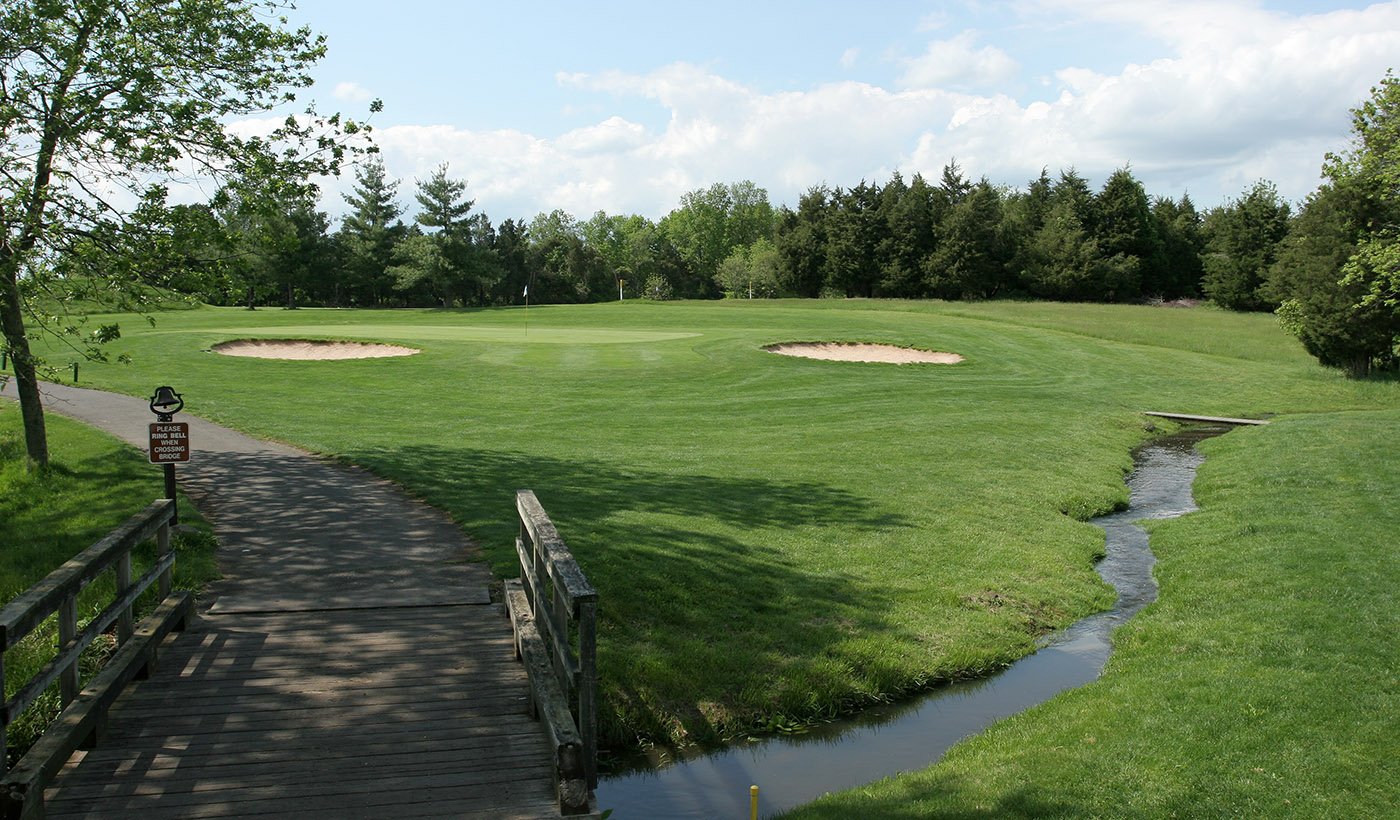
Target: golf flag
(527, 290)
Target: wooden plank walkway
(358, 713)
(351, 665)
(1207, 419)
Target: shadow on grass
(715, 621)
(906, 803)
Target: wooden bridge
(352, 665)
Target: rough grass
(775, 540)
(1262, 683)
(93, 484)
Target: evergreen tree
(1127, 238)
(511, 248)
(564, 268)
(854, 233)
(451, 264)
(1179, 226)
(971, 259)
(1024, 215)
(1242, 239)
(1061, 260)
(801, 239)
(369, 233)
(952, 184)
(908, 239)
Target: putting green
(454, 333)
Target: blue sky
(624, 106)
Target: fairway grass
(775, 540)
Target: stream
(883, 740)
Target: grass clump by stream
(93, 484)
(775, 540)
(1262, 683)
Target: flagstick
(527, 311)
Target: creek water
(881, 741)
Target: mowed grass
(1263, 683)
(775, 540)
(93, 484)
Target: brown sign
(170, 442)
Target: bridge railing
(81, 721)
(554, 612)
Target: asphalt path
(297, 532)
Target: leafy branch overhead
(105, 102)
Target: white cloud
(351, 92)
(958, 63)
(1242, 93)
(849, 57)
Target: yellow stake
(753, 803)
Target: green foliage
(853, 232)
(453, 263)
(710, 223)
(1242, 240)
(564, 267)
(970, 260)
(1179, 227)
(801, 238)
(369, 234)
(658, 288)
(1338, 274)
(750, 271)
(1127, 236)
(137, 93)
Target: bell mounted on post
(166, 403)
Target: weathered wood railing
(551, 607)
(84, 713)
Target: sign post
(170, 440)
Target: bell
(166, 401)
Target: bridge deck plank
(358, 713)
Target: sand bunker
(842, 352)
(308, 350)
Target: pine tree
(370, 231)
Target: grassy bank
(775, 540)
(1262, 683)
(93, 484)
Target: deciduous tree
(99, 96)
(1338, 272)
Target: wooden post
(588, 688)
(170, 491)
(4, 710)
(67, 633)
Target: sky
(624, 106)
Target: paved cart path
(350, 665)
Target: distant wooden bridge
(401, 710)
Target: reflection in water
(884, 740)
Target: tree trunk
(31, 405)
(1360, 366)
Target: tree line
(1328, 268)
(954, 239)
(103, 103)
